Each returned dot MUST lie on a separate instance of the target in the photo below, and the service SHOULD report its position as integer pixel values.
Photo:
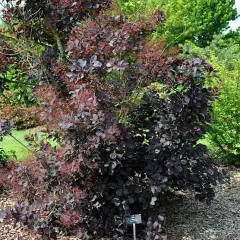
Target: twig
(20, 142)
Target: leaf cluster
(105, 168)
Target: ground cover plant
(129, 117)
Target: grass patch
(12, 147)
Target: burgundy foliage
(107, 168)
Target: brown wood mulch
(187, 219)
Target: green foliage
(234, 35)
(3, 157)
(136, 8)
(17, 101)
(186, 20)
(225, 47)
(196, 21)
(224, 54)
(225, 127)
(17, 75)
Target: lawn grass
(12, 147)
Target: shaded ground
(186, 218)
(14, 231)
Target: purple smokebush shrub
(129, 117)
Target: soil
(187, 219)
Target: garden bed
(187, 219)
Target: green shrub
(225, 127)
(3, 157)
(136, 8)
(223, 138)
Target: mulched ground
(187, 219)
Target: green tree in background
(234, 35)
(197, 21)
(225, 47)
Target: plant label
(134, 219)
